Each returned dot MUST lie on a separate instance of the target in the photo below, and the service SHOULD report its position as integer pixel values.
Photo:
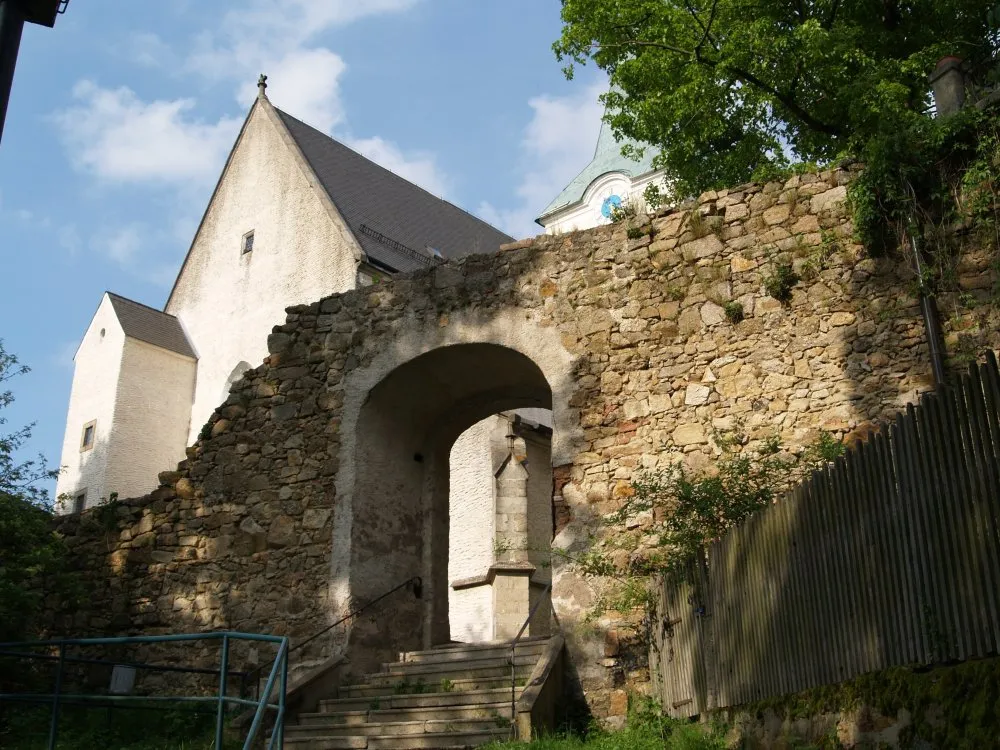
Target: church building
(297, 216)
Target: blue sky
(122, 115)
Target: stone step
(464, 669)
(432, 682)
(386, 687)
(326, 743)
(394, 728)
(436, 741)
(454, 652)
(423, 700)
(489, 711)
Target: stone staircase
(454, 696)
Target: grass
(27, 728)
(645, 729)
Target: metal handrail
(513, 659)
(279, 672)
(415, 581)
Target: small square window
(79, 502)
(247, 242)
(87, 439)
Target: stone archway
(401, 415)
(404, 435)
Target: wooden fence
(890, 556)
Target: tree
(33, 560)
(732, 89)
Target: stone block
(689, 434)
(703, 247)
(696, 395)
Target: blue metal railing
(278, 677)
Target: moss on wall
(950, 707)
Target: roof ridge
(387, 171)
(140, 304)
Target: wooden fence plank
(952, 511)
(909, 452)
(873, 519)
(882, 481)
(870, 518)
(908, 550)
(891, 556)
(985, 522)
(940, 485)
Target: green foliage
(646, 729)
(914, 171)
(951, 707)
(125, 729)
(634, 233)
(780, 281)
(727, 88)
(734, 311)
(626, 210)
(405, 687)
(653, 196)
(34, 561)
(105, 513)
(677, 512)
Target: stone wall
(320, 479)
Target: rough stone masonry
(320, 481)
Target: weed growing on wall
(672, 514)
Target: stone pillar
(511, 570)
(948, 84)
(511, 526)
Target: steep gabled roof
(607, 158)
(396, 222)
(150, 325)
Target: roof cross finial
(262, 86)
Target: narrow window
(79, 502)
(247, 242)
(87, 439)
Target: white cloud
(269, 35)
(305, 83)
(115, 136)
(558, 143)
(419, 168)
(149, 50)
(138, 248)
(121, 244)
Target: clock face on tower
(610, 203)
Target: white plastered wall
(475, 457)
(587, 213)
(228, 301)
(150, 426)
(470, 536)
(92, 398)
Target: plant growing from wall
(780, 281)
(734, 311)
(679, 511)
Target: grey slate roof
(394, 220)
(152, 326)
(607, 158)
